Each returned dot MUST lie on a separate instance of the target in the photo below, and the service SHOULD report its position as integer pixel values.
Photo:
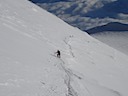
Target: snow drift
(29, 37)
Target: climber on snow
(58, 53)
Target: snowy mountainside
(29, 37)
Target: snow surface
(29, 37)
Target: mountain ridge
(110, 27)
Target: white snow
(29, 37)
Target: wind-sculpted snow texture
(29, 37)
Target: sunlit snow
(30, 36)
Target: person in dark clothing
(58, 53)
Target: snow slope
(29, 37)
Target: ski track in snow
(67, 42)
(71, 75)
(68, 78)
(69, 72)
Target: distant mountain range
(111, 27)
(87, 14)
